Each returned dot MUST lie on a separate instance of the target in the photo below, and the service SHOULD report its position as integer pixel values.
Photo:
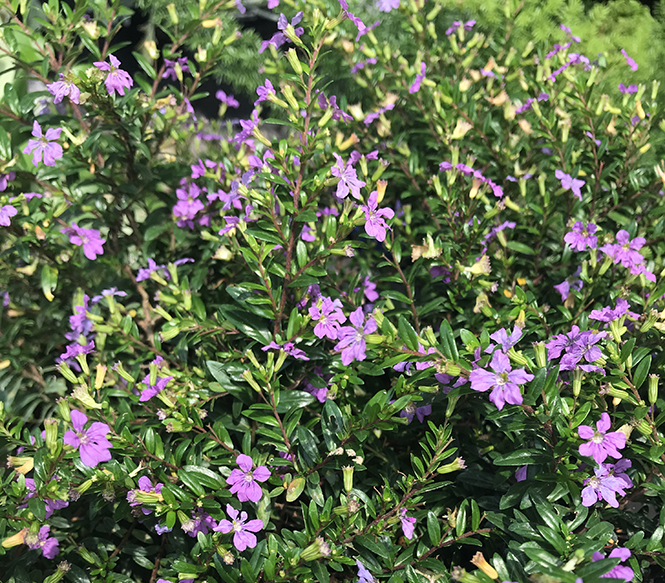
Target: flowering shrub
(410, 338)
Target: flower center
(502, 378)
(237, 525)
(598, 437)
(248, 477)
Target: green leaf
(641, 372)
(448, 341)
(247, 323)
(407, 334)
(521, 248)
(522, 457)
(195, 477)
(433, 528)
(289, 400)
(295, 488)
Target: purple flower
(200, 522)
(44, 145)
(74, 349)
(151, 390)
(631, 63)
(111, 292)
(290, 349)
(6, 178)
(370, 290)
(91, 443)
(88, 238)
(507, 342)
(243, 480)
(48, 544)
(408, 523)
(625, 251)
(375, 225)
(329, 315)
(608, 314)
(601, 443)
(628, 90)
(569, 183)
(348, 179)
(412, 410)
(242, 530)
(144, 272)
(415, 86)
(520, 475)
(247, 126)
(468, 25)
(582, 237)
(308, 233)
(586, 348)
(338, 114)
(6, 212)
(64, 88)
(50, 504)
(364, 576)
(116, 79)
(603, 486)
(504, 381)
(618, 572)
(569, 342)
(79, 322)
(387, 5)
(264, 92)
(352, 338)
(170, 71)
(145, 487)
(229, 100)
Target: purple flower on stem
(601, 443)
(145, 487)
(228, 100)
(88, 238)
(503, 381)
(264, 92)
(618, 572)
(64, 88)
(370, 290)
(352, 338)
(415, 86)
(329, 315)
(608, 314)
(603, 486)
(625, 251)
(375, 225)
(364, 576)
(6, 213)
(412, 410)
(50, 504)
(628, 90)
(116, 79)
(408, 523)
(631, 63)
(6, 178)
(348, 179)
(74, 349)
(243, 480)
(151, 390)
(47, 544)
(44, 145)
(585, 347)
(170, 72)
(582, 237)
(570, 183)
(91, 443)
(200, 522)
(243, 536)
(387, 5)
(144, 272)
(507, 342)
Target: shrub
(401, 332)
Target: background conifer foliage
(391, 311)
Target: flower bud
(67, 372)
(480, 562)
(459, 574)
(540, 354)
(15, 540)
(163, 313)
(617, 393)
(81, 394)
(643, 427)
(86, 555)
(99, 376)
(577, 381)
(347, 473)
(151, 48)
(51, 429)
(173, 15)
(117, 367)
(653, 388)
(84, 487)
(454, 466)
(317, 550)
(517, 357)
(201, 54)
(247, 375)
(23, 464)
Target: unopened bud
(247, 375)
(459, 574)
(517, 357)
(653, 388)
(480, 562)
(151, 48)
(99, 376)
(163, 313)
(201, 54)
(15, 540)
(317, 550)
(23, 464)
(63, 409)
(540, 354)
(117, 367)
(51, 430)
(81, 394)
(347, 473)
(86, 555)
(67, 372)
(458, 464)
(651, 319)
(173, 15)
(643, 427)
(627, 429)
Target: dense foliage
(403, 324)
